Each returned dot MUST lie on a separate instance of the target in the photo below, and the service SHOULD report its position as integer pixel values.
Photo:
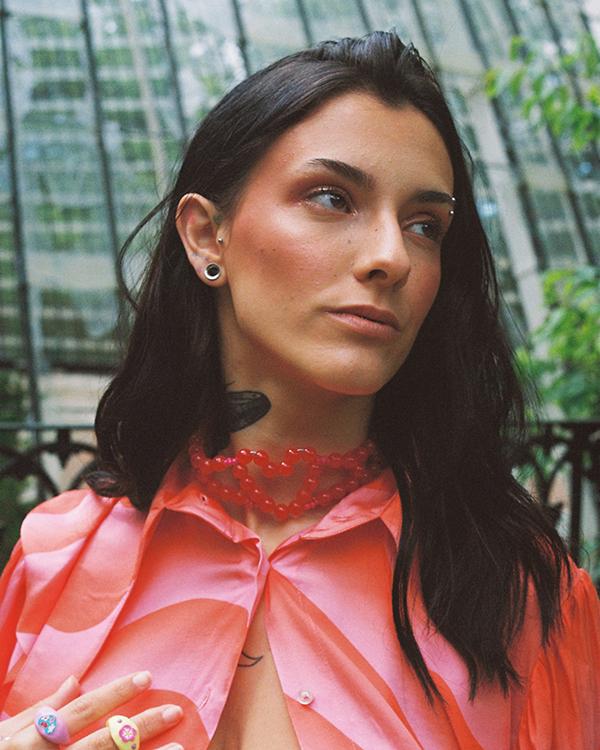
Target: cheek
(426, 288)
(280, 254)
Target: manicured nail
(172, 746)
(142, 679)
(171, 714)
(69, 683)
(68, 689)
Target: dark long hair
(446, 420)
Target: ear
(198, 222)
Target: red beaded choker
(363, 465)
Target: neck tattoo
(246, 408)
(361, 466)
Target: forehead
(388, 142)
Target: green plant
(563, 355)
(558, 89)
(562, 359)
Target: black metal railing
(567, 454)
(37, 461)
(560, 464)
(40, 442)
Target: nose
(383, 257)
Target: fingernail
(172, 746)
(68, 688)
(171, 714)
(69, 682)
(142, 679)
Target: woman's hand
(79, 711)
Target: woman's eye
(430, 228)
(330, 199)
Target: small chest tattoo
(249, 661)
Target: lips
(373, 314)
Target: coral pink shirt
(97, 589)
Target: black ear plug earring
(212, 271)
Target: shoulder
(563, 692)
(581, 592)
(577, 625)
(579, 615)
(75, 542)
(61, 521)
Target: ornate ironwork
(31, 460)
(569, 451)
(28, 461)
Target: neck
(359, 466)
(328, 424)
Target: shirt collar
(181, 492)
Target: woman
(318, 327)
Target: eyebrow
(365, 180)
(433, 196)
(354, 174)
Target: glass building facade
(98, 97)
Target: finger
(67, 692)
(92, 706)
(151, 722)
(81, 712)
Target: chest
(316, 616)
(255, 714)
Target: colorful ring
(124, 732)
(51, 726)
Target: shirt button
(305, 697)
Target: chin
(364, 385)
(360, 391)
(347, 376)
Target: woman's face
(332, 257)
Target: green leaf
(515, 83)
(517, 46)
(593, 94)
(490, 83)
(529, 106)
(567, 62)
(567, 372)
(538, 83)
(591, 56)
(541, 82)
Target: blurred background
(97, 98)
